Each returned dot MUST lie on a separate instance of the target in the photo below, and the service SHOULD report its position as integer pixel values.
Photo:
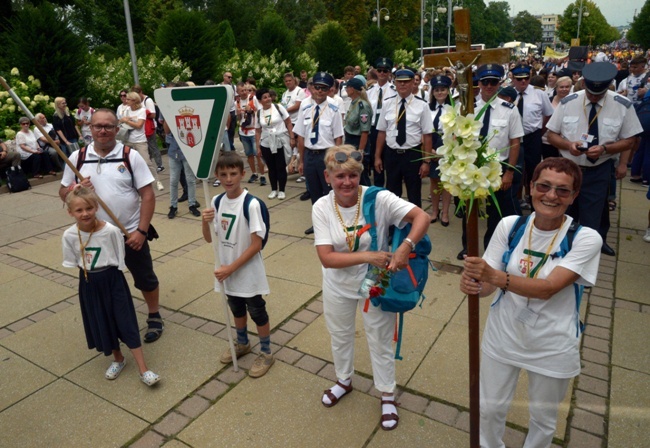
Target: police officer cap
(490, 71)
(355, 83)
(509, 92)
(404, 74)
(521, 71)
(598, 76)
(440, 81)
(384, 63)
(323, 78)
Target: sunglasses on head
(342, 157)
(489, 82)
(561, 192)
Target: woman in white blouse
(33, 159)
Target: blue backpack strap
(247, 202)
(369, 214)
(217, 202)
(516, 232)
(579, 289)
(399, 337)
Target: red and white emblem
(189, 126)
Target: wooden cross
(465, 57)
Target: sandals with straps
(333, 399)
(390, 417)
(153, 334)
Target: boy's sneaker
(216, 183)
(261, 365)
(240, 350)
(253, 179)
(262, 180)
(114, 370)
(646, 238)
(194, 210)
(172, 212)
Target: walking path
(53, 393)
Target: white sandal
(149, 378)
(114, 369)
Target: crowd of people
(564, 136)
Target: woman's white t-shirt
(389, 210)
(234, 236)
(272, 124)
(551, 346)
(28, 139)
(137, 135)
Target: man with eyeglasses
(535, 110)
(377, 94)
(503, 128)
(319, 126)
(404, 139)
(591, 128)
(129, 194)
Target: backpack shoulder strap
(247, 203)
(516, 232)
(369, 214)
(81, 158)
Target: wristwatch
(141, 231)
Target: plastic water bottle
(368, 282)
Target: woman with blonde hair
(64, 125)
(135, 116)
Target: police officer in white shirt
(404, 139)
(319, 126)
(377, 94)
(591, 127)
(535, 109)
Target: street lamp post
(450, 7)
(377, 15)
(579, 12)
(433, 17)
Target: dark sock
(265, 344)
(242, 336)
(155, 315)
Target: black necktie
(379, 101)
(401, 124)
(314, 126)
(436, 120)
(593, 128)
(486, 122)
(520, 104)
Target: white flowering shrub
(403, 57)
(30, 94)
(107, 78)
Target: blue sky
(617, 12)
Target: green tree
(226, 44)
(192, 37)
(302, 15)
(376, 45)
(329, 45)
(526, 28)
(639, 32)
(243, 17)
(499, 26)
(56, 57)
(273, 35)
(593, 26)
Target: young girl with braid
(97, 248)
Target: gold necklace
(529, 259)
(349, 236)
(83, 247)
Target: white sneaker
(273, 195)
(160, 186)
(300, 179)
(281, 195)
(646, 238)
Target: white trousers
(379, 327)
(498, 384)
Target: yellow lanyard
(529, 260)
(83, 247)
(584, 109)
(315, 122)
(397, 109)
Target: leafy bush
(401, 56)
(107, 78)
(30, 93)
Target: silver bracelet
(410, 243)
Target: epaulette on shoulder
(421, 99)
(569, 98)
(391, 97)
(334, 107)
(507, 104)
(624, 101)
(392, 86)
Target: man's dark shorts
(140, 265)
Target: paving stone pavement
(53, 393)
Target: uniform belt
(403, 151)
(589, 168)
(315, 151)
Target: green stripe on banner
(215, 129)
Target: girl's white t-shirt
(105, 248)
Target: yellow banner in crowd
(550, 53)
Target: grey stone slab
(633, 282)
(56, 344)
(46, 253)
(293, 219)
(418, 335)
(175, 233)
(297, 262)
(630, 347)
(27, 295)
(20, 378)
(287, 409)
(628, 413)
(36, 205)
(446, 241)
(63, 414)
(183, 358)
(22, 229)
(417, 430)
(635, 204)
(8, 219)
(442, 296)
(9, 273)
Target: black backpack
(263, 209)
(17, 180)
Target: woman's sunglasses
(561, 192)
(342, 157)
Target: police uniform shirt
(536, 107)
(506, 121)
(387, 89)
(357, 119)
(418, 121)
(617, 120)
(330, 124)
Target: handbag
(123, 132)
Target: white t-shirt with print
(234, 236)
(328, 231)
(87, 115)
(290, 98)
(272, 123)
(137, 135)
(105, 248)
(551, 346)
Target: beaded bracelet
(505, 288)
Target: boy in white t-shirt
(241, 274)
